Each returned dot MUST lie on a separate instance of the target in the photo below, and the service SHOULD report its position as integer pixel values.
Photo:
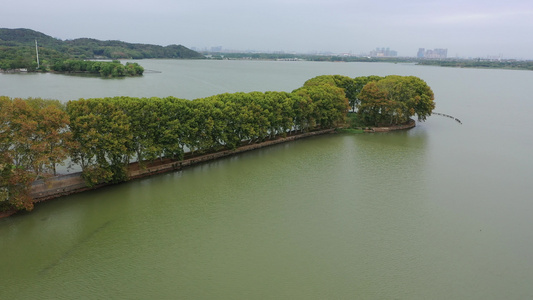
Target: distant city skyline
(433, 53)
(467, 28)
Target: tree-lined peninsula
(104, 135)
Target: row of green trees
(109, 132)
(15, 58)
(103, 68)
(102, 135)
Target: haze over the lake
(467, 28)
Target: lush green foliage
(17, 50)
(379, 100)
(25, 58)
(85, 48)
(108, 132)
(394, 99)
(104, 68)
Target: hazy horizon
(467, 28)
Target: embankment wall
(409, 125)
(54, 187)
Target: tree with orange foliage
(33, 135)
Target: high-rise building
(421, 52)
(383, 52)
(432, 53)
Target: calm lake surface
(442, 211)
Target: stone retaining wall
(409, 125)
(50, 188)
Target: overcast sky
(467, 28)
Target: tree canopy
(394, 99)
(103, 68)
(33, 140)
(102, 135)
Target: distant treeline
(308, 57)
(102, 135)
(459, 63)
(479, 63)
(75, 66)
(17, 50)
(103, 68)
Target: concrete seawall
(409, 125)
(55, 187)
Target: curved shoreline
(409, 125)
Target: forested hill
(20, 40)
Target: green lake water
(441, 211)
